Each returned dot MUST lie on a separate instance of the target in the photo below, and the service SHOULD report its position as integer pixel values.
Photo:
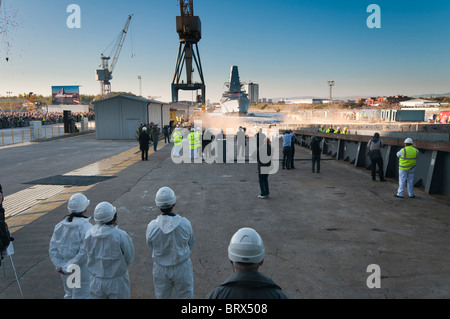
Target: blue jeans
(406, 177)
(155, 144)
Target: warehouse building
(119, 117)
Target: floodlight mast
(331, 84)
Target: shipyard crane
(189, 31)
(104, 75)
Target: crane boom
(104, 75)
(120, 45)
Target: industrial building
(74, 108)
(419, 103)
(119, 117)
(252, 90)
(306, 101)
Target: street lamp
(331, 84)
(140, 85)
(9, 97)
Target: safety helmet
(165, 198)
(104, 213)
(144, 128)
(192, 129)
(246, 246)
(77, 203)
(408, 141)
(199, 129)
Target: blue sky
(290, 48)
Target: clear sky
(289, 47)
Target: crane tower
(189, 31)
(104, 75)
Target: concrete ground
(321, 231)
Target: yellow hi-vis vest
(191, 138)
(408, 158)
(177, 137)
(198, 139)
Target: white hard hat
(165, 198)
(144, 128)
(192, 129)
(77, 203)
(408, 141)
(199, 129)
(246, 246)
(104, 213)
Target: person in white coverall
(109, 251)
(66, 247)
(170, 238)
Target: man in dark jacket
(5, 236)
(155, 136)
(144, 141)
(264, 160)
(315, 148)
(246, 253)
(376, 159)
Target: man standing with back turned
(246, 253)
(170, 238)
(287, 149)
(407, 168)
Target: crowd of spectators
(23, 119)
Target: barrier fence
(433, 162)
(28, 134)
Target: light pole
(140, 85)
(331, 84)
(9, 98)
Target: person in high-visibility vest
(198, 142)
(191, 139)
(177, 139)
(407, 168)
(345, 131)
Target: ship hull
(235, 106)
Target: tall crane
(189, 31)
(104, 75)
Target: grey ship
(234, 99)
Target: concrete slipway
(321, 231)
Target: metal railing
(15, 136)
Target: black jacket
(247, 285)
(266, 158)
(315, 147)
(144, 141)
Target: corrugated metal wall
(154, 114)
(133, 115)
(119, 118)
(107, 120)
